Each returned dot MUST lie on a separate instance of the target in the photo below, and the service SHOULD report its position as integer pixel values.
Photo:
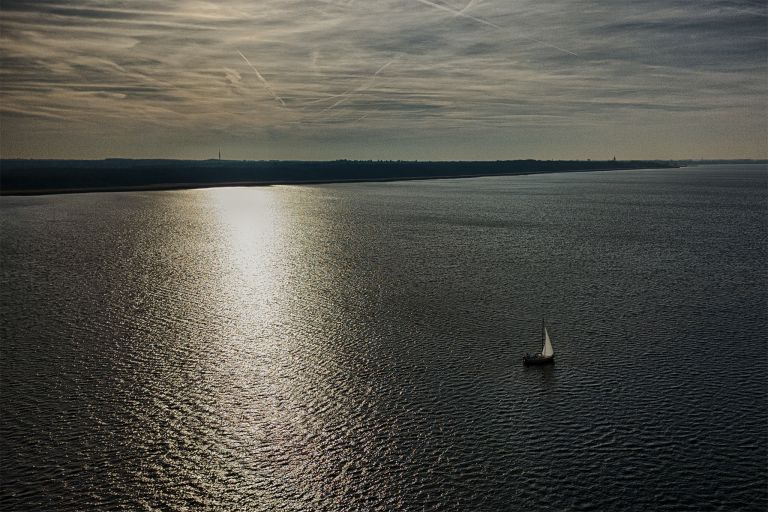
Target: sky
(384, 79)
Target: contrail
(458, 13)
(466, 7)
(348, 92)
(550, 45)
(490, 24)
(346, 95)
(263, 80)
(366, 115)
(382, 68)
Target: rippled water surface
(358, 346)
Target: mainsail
(547, 350)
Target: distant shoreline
(45, 177)
(192, 186)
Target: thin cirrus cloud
(386, 79)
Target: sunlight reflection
(252, 282)
(253, 372)
(249, 219)
(289, 341)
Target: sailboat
(547, 354)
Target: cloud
(488, 71)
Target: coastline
(27, 178)
(193, 186)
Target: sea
(348, 347)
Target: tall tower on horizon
(219, 153)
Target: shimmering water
(357, 346)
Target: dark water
(357, 347)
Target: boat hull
(538, 360)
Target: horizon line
(214, 159)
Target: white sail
(547, 350)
